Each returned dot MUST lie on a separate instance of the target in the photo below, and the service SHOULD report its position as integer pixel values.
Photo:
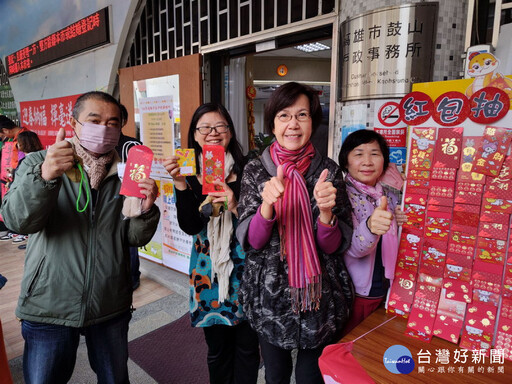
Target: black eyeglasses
(206, 130)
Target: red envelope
(506, 309)
(399, 308)
(470, 144)
(421, 155)
(417, 186)
(493, 230)
(485, 297)
(497, 205)
(440, 201)
(465, 261)
(448, 147)
(486, 281)
(138, 167)
(491, 154)
(447, 174)
(504, 337)
(434, 252)
(465, 197)
(420, 324)
(444, 189)
(462, 243)
(457, 272)
(213, 168)
(447, 331)
(402, 289)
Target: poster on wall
(353, 118)
(452, 278)
(157, 129)
(388, 122)
(177, 244)
(46, 117)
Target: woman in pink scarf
(372, 255)
(294, 226)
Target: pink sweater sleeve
(328, 238)
(260, 230)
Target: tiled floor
(11, 266)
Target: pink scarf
(390, 239)
(295, 221)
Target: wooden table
(369, 352)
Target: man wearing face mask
(77, 266)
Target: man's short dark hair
(6, 123)
(96, 95)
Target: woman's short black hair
(362, 136)
(285, 96)
(234, 146)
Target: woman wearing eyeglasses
(217, 259)
(295, 224)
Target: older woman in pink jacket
(371, 258)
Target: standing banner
(46, 117)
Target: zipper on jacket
(34, 279)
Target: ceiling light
(312, 47)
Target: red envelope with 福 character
(213, 168)
(138, 167)
(448, 147)
(402, 291)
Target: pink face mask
(99, 138)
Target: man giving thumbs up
(77, 273)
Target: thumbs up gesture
(380, 220)
(272, 191)
(325, 196)
(59, 157)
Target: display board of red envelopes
(453, 276)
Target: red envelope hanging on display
(448, 147)
(138, 167)
(491, 154)
(462, 243)
(470, 144)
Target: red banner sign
(46, 117)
